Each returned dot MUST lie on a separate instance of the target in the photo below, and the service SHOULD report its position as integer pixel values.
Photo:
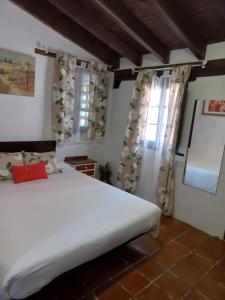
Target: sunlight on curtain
(166, 182)
(154, 137)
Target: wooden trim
(117, 11)
(213, 68)
(53, 54)
(181, 118)
(45, 53)
(28, 146)
(174, 20)
(192, 124)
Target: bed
(48, 227)
(202, 172)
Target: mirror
(205, 146)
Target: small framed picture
(214, 107)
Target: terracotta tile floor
(181, 263)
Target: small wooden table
(83, 164)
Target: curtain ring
(204, 63)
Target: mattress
(48, 227)
(202, 172)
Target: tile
(69, 288)
(113, 264)
(173, 285)
(151, 269)
(191, 268)
(164, 259)
(179, 228)
(213, 249)
(95, 278)
(129, 270)
(90, 296)
(131, 254)
(171, 232)
(193, 239)
(176, 250)
(170, 254)
(195, 295)
(165, 235)
(112, 292)
(217, 274)
(211, 289)
(147, 245)
(133, 281)
(154, 293)
(166, 221)
(93, 274)
(42, 295)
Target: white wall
(30, 118)
(200, 209)
(208, 132)
(197, 208)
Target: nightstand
(83, 164)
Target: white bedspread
(50, 226)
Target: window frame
(152, 144)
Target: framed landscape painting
(17, 73)
(214, 107)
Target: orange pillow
(29, 172)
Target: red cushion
(29, 172)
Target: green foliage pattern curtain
(99, 77)
(130, 164)
(63, 97)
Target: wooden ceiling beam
(77, 11)
(53, 18)
(176, 23)
(132, 25)
(221, 7)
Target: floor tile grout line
(203, 295)
(192, 287)
(166, 269)
(144, 257)
(115, 276)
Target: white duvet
(50, 226)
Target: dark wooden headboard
(30, 146)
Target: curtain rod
(53, 54)
(201, 63)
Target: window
(81, 105)
(84, 103)
(157, 112)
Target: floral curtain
(63, 97)
(130, 165)
(165, 191)
(99, 77)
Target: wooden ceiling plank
(221, 7)
(133, 26)
(53, 18)
(169, 14)
(77, 12)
